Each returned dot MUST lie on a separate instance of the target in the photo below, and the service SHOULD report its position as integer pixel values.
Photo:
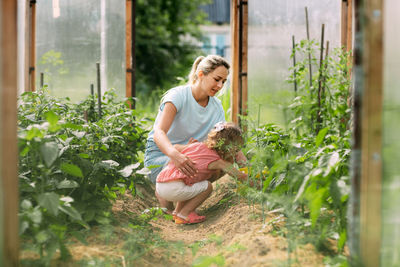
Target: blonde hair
(223, 137)
(206, 64)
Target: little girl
(217, 153)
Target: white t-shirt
(191, 120)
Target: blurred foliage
(72, 164)
(167, 33)
(304, 171)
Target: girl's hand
(184, 164)
(241, 159)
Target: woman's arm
(228, 168)
(182, 162)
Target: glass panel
(271, 26)
(391, 146)
(72, 36)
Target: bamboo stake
(41, 80)
(325, 68)
(321, 58)
(98, 88)
(309, 53)
(294, 63)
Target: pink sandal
(192, 218)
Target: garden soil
(234, 234)
(234, 231)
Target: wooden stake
(309, 53)
(294, 63)
(98, 88)
(320, 78)
(8, 138)
(41, 80)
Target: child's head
(226, 139)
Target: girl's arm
(241, 159)
(228, 168)
(182, 162)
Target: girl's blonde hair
(206, 64)
(223, 138)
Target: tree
(165, 35)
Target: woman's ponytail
(193, 72)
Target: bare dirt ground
(234, 234)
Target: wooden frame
(130, 49)
(32, 45)
(347, 25)
(8, 135)
(367, 147)
(239, 33)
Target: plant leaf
(320, 137)
(72, 170)
(72, 212)
(67, 184)
(49, 151)
(50, 201)
(127, 171)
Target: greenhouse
(199, 133)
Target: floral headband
(219, 126)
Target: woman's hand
(184, 164)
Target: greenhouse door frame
(130, 57)
(9, 254)
(239, 33)
(365, 230)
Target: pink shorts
(179, 191)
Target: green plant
(305, 169)
(71, 168)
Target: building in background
(217, 36)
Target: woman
(186, 114)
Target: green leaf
(84, 155)
(72, 212)
(35, 216)
(80, 237)
(26, 204)
(110, 163)
(316, 204)
(67, 184)
(72, 170)
(32, 133)
(320, 137)
(50, 201)
(42, 236)
(49, 151)
(342, 239)
(51, 117)
(127, 171)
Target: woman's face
(214, 81)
